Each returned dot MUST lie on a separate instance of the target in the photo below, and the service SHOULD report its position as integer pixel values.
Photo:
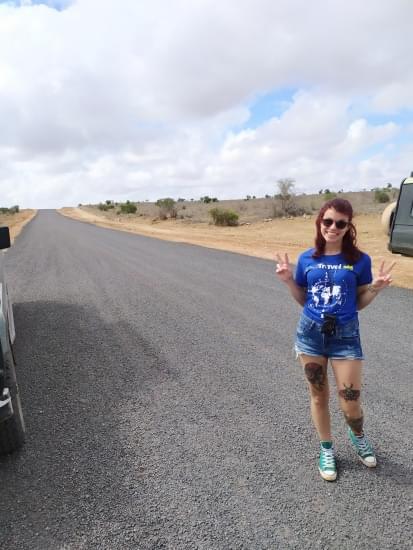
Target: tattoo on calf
(349, 394)
(316, 375)
(356, 424)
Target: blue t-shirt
(331, 284)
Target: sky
(145, 99)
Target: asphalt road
(165, 409)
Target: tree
(286, 191)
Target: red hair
(349, 247)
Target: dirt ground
(261, 239)
(16, 222)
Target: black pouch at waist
(329, 325)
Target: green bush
(166, 207)
(224, 217)
(381, 196)
(128, 208)
(295, 211)
(328, 195)
(105, 206)
(12, 210)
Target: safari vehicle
(397, 220)
(12, 432)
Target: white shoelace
(328, 458)
(363, 444)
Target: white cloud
(141, 99)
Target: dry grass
(16, 222)
(258, 238)
(252, 210)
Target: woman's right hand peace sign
(283, 269)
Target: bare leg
(348, 379)
(315, 371)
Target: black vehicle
(397, 220)
(12, 431)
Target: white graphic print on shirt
(327, 293)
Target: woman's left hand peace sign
(383, 278)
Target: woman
(333, 281)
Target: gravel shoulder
(16, 222)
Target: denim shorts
(344, 344)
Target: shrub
(291, 209)
(12, 210)
(224, 217)
(276, 211)
(166, 207)
(381, 196)
(294, 210)
(128, 208)
(103, 206)
(328, 195)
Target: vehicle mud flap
(2, 372)
(6, 406)
(12, 429)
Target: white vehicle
(12, 431)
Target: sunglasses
(340, 224)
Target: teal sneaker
(363, 449)
(327, 461)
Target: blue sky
(269, 105)
(143, 99)
(55, 4)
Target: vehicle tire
(387, 217)
(12, 430)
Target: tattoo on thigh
(349, 394)
(356, 424)
(316, 375)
